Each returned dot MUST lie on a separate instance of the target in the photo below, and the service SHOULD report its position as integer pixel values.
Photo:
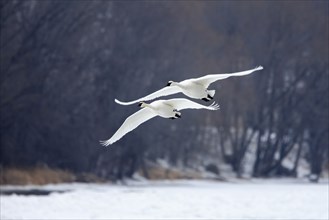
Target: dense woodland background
(64, 62)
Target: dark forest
(64, 62)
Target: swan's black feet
(172, 118)
(210, 97)
(178, 115)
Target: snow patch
(256, 199)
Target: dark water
(28, 192)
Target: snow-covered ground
(254, 199)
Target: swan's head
(170, 83)
(142, 104)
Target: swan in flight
(194, 88)
(163, 108)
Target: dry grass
(160, 173)
(38, 176)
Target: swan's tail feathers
(105, 143)
(212, 93)
(123, 103)
(213, 106)
(259, 68)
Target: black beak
(168, 84)
(140, 104)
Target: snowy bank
(257, 199)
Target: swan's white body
(196, 88)
(163, 108)
(192, 88)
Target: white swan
(193, 88)
(163, 108)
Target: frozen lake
(177, 199)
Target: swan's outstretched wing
(182, 103)
(169, 90)
(130, 124)
(208, 79)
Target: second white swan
(196, 88)
(163, 108)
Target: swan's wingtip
(214, 106)
(105, 143)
